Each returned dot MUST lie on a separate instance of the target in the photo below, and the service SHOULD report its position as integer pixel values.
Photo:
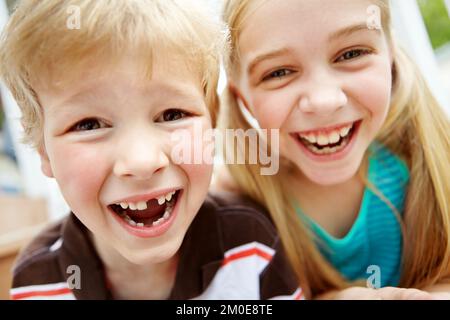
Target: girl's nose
(322, 99)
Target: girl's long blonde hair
(416, 129)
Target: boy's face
(108, 143)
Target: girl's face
(315, 71)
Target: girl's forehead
(302, 23)
(313, 16)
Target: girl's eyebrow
(266, 56)
(350, 30)
(335, 35)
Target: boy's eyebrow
(265, 56)
(350, 30)
(187, 94)
(83, 95)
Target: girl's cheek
(374, 92)
(272, 109)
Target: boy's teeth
(169, 195)
(165, 198)
(142, 205)
(165, 217)
(161, 200)
(158, 222)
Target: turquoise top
(375, 237)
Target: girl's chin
(329, 177)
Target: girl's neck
(335, 208)
(132, 281)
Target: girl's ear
(240, 99)
(45, 161)
(246, 111)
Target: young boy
(103, 86)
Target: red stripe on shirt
(46, 293)
(299, 295)
(247, 253)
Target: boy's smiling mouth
(152, 215)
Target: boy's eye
(280, 73)
(88, 125)
(352, 54)
(172, 115)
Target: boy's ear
(45, 161)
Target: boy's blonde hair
(416, 129)
(40, 46)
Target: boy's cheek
(198, 172)
(79, 173)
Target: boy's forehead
(171, 77)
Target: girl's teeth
(124, 205)
(140, 224)
(334, 137)
(311, 138)
(328, 150)
(322, 140)
(132, 206)
(344, 131)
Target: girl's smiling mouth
(147, 218)
(328, 144)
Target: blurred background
(28, 200)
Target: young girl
(364, 183)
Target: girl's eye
(172, 115)
(280, 73)
(88, 125)
(352, 54)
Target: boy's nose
(140, 158)
(322, 98)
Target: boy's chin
(151, 256)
